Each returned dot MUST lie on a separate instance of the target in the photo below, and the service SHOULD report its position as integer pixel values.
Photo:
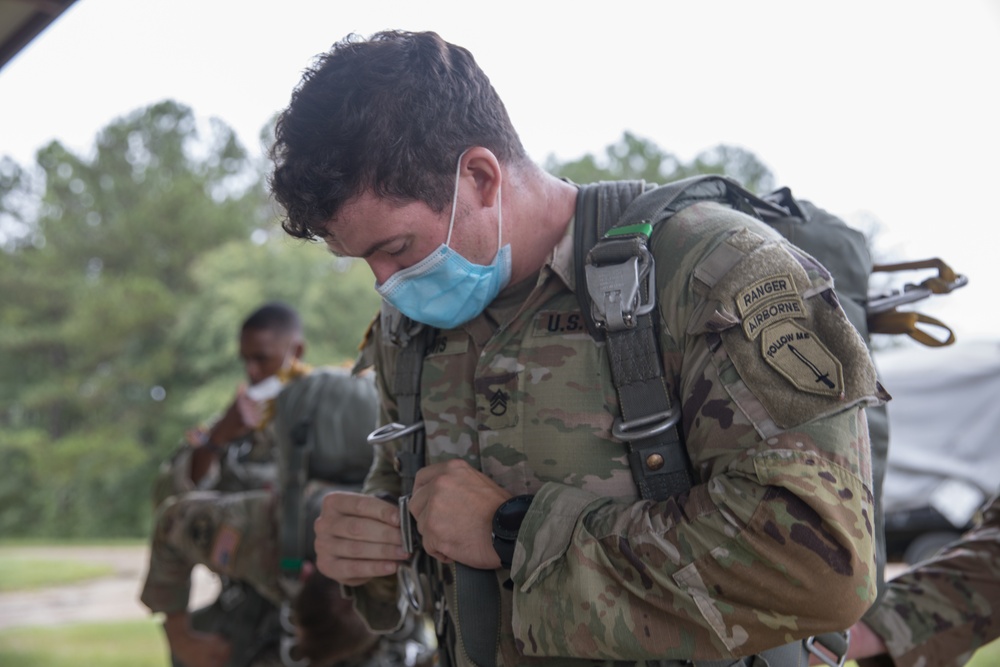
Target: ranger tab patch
(802, 359)
(768, 301)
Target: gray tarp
(944, 427)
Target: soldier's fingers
(346, 503)
(361, 539)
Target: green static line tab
(643, 228)
(291, 564)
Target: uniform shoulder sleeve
(772, 307)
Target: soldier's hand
(357, 538)
(454, 504)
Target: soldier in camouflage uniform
(774, 541)
(235, 536)
(235, 453)
(938, 612)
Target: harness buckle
(615, 295)
(645, 427)
(830, 648)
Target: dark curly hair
(390, 114)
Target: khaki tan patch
(772, 313)
(765, 290)
(768, 301)
(802, 359)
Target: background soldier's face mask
(444, 289)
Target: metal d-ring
(391, 432)
(645, 427)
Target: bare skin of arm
(194, 648)
(239, 420)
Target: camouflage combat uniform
(784, 479)
(937, 613)
(235, 536)
(232, 534)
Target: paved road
(111, 598)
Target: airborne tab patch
(768, 301)
(802, 359)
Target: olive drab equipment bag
(321, 422)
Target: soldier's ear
(482, 166)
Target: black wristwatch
(506, 524)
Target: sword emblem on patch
(802, 359)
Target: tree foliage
(633, 157)
(125, 277)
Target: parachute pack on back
(321, 424)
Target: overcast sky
(872, 109)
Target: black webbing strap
(406, 388)
(657, 457)
(477, 591)
(478, 610)
(649, 423)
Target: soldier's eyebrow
(371, 250)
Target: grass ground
(127, 644)
(20, 573)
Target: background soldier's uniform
(235, 535)
(937, 613)
(785, 472)
(245, 464)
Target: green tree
(333, 295)
(633, 157)
(93, 283)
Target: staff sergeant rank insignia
(768, 301)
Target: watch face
(509, 517)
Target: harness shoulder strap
(616, 289)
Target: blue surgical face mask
(444, 289)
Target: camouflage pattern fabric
(233, 534)
(774, 542)
(937, 613)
